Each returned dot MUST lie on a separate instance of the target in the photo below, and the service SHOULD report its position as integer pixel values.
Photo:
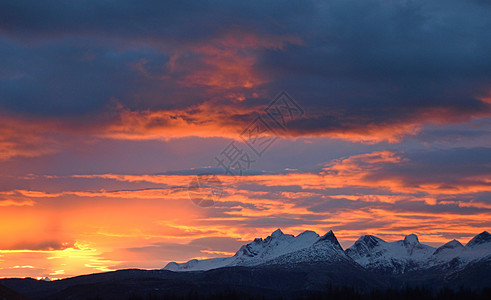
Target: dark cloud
(332, 204)
(68, 77)
(449, 167)
(358, 66)
(192, 21)
(43, 245)
(374, 63)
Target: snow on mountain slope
(273, 246)
(402, 256)
(455, 255)
(446, 252)
(254, 253)
(478, 248)
(369, 251)
(325, 249)
(480, 241)
(199, 265)
(398, 257)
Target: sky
(361, 117)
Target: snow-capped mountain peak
(273, 246)
(415, 248)
(480, 239)
(308, 233)
(446, 253)
(363, 246)
(453, 244)
(254, 253)
(331, 238)
(411, 240)
(398, 257)
(369, 241)
(326, 249)
(454, 254)
(277, 233)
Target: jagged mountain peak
(482, 238)
(275, 245)
(331, 238)
(369, 241)
(364, 245)
(323, 250)
(453, 244)
(397, 257)
(411, 239)
(261, 251)
(277, 233)
(309, 233)
(328, 236)
(449, 250)
(368, 251)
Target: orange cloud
(229, 60)
(17, 203)
(23, 137)
(358, 171)
(228, 118)
(217, 116)
(204, 120)
(99, 226)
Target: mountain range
(369, 252)
(288, 267)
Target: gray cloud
(361, 64)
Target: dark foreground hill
(303, 281)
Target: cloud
(21, 138)
(370, 71)
(207, 247)
(16, 203)
(371, 193)
(434, 172)
(48, 245)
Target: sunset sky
(109, 110)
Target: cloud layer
(367, 71)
